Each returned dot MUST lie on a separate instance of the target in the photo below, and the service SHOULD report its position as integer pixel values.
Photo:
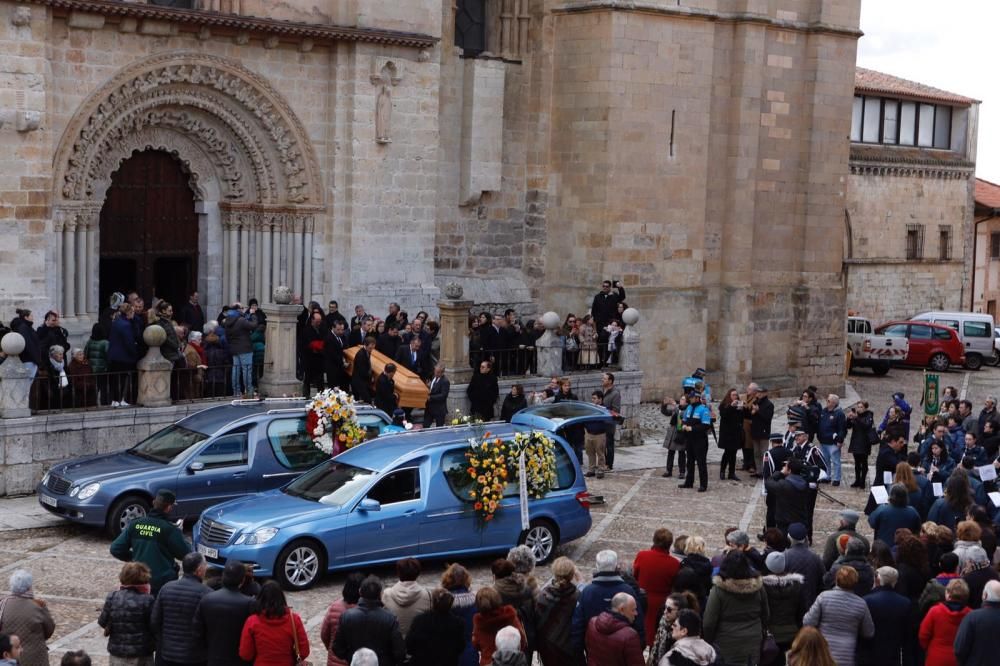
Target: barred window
(995, 245)
(944, 246)
(914, 241)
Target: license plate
(48, 501)
(208, 552)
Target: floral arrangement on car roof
(493, 460)
(332, 422)
(464, 419)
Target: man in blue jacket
(890, 612)
(831, 432)
(595, 598)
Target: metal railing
(523, 359)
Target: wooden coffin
(410, 388)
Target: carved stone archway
(252, 168)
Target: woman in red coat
(267, 638)
(940, 625)
(493, 616)
(655, 569)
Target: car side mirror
(368, 504)
(195, 467)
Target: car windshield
(167, 444)
(330, 483)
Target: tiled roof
(907, 155)
(987, 194)
(870, 81)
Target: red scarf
(145, 588)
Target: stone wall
(882, 284)
(29, 446)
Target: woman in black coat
(483, 392)
(730, 432)
(513, 403)
(437, 636)
(862, 423)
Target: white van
(975, 330)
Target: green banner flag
(931, 386)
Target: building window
(944, 247)
(891, 121)
(914, 241)
(995, 245)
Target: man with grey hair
(595, 598)
(976, 641)
(508, 652)
(890, 613)
(989, 412)
(28, 618)
(522, 558)
(173, 614)
(977, 572)
(611, 639)
(830, 433)
(364, 657)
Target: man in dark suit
(408, 356)
(603, 309)
(437, 400)
(388, 343)
(333, 315)
(358, 335)
(423, 366)
(361, 376)
(333, 357)
(385, 390)
(191, 314)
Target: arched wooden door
(149, 231)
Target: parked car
(975, 330)
(878, 352)
(995, 361)
(217, 454)
(405, 496)
(931, 345)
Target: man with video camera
(790, 490)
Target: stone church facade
(375, 151)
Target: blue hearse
(406, 495)
(218, 454)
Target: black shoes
(733, 477)
(836, 483)
(590, 474)
(701, 490)
(667, 474)
(685, 485)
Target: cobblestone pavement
(73, 570)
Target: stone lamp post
(280, 344)
(15, 383)
(154, 370)
(549, 347)
(454, 334)
(630, 340)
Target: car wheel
(973, 361)
(940, 362)
(124, 511)
(880, 369)
(995, 360)
(541, 537)
(300, 565)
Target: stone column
(454, 334)
(265, 263)
(233, 269)
(276, 223)
(82, 269)
(154, 370)
(258, 259)
(295, 282)
(93, 298)
(244, 259)
(15, 383)
(307, 274)
(630, 341)
(225, 260)
(279, 346)
(58, 224)
(69, 263)
(549, 347)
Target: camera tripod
(828, 496)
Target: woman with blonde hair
(695, 574)
(554, 607)
(915, 490)
(810, 649)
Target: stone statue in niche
(383, 115)
(385, 74)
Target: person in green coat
(737, 610)
(155, 541)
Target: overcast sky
(950, 45)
